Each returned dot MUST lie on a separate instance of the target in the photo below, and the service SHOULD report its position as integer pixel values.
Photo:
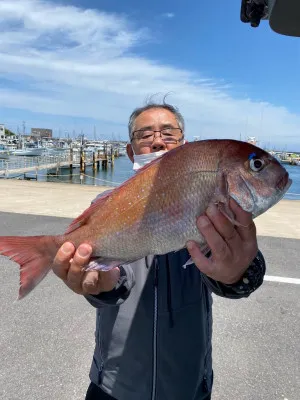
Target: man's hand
(233, 248)
(68, 266)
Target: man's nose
(158, 144)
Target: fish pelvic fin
(101, 264)
(34, 254)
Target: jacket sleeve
(251, 281)
(120, 292)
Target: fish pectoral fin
(221, 199)
(227, 212)
(189, 262)
(204, 248)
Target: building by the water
(41, 133)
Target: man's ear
(129, 152)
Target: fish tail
(34, 254)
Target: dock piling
(94, 162)
(71, 158)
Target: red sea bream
(155, 211)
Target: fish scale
(168, 220)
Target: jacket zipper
(100, 367)
(155, 330)
(205, 384)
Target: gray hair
(149, 105)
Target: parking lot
(47, 339)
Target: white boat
(4, 152)
(4, 155)
(31, 151)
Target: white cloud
(84, 63)
(168, 15)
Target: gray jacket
(154, 330)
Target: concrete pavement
(47, 339)
(69, 200)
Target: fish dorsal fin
(99, 202)
(84, 217)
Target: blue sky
(73, 65)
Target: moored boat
(30, 151)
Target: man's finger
(200, 260)
(61, 263)
(215, 241)
(223, 226)
(76, 271)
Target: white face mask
(142, 159)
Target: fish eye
(256, 164)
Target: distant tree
(9, 133)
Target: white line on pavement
(282, 279)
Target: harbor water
(294, 190)
(122, 170)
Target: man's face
(153, 119)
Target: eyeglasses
(168, 135)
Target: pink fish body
(155, 211)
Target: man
(154, 322)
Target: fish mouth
(284, 183)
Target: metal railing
(22, 162)
(27, 162)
